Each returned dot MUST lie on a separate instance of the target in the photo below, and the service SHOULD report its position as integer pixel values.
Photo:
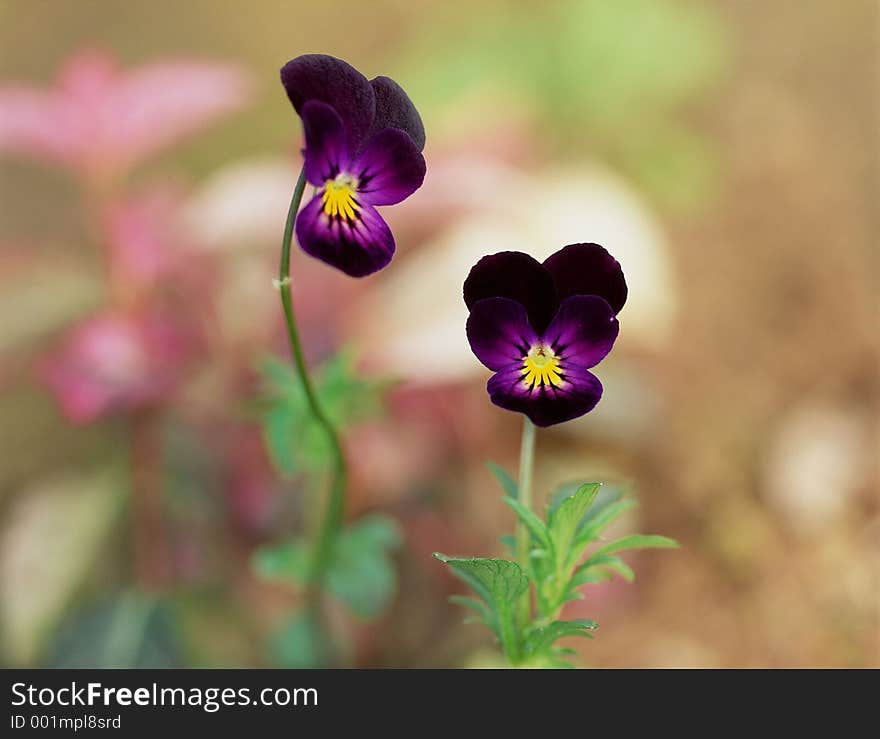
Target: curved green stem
(523, 538)
(331, 517)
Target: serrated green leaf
(508, 484)
(535, 525)
(499, 583)
(493, 580)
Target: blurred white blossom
(243, 205)
(418, 313)
(817, 464)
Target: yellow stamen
(541, 367)
(339, 197)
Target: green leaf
(534, 524)
(609, 496)
(564, 652)
(541, 640)
(494, 580)
(499, 583)
(566, 493)
(564, 521)
(598, 520)
(636, 541)
(484, 616)
(508, 484)
(587, 577)
(613, 563)
(565, 516)
(594, 569)
(562, 493)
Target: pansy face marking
(542, 367)
(363, 148)
(541, 327)
(339, 197)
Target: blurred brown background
(726, 152)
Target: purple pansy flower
(540, 327)
(363, 148)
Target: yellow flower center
(541, 367)
(339, 197)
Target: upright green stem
(334, 507)
(523, 538)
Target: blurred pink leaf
(145, 238)
(101, 121)
(115, 362)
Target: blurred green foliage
(607, 79)
(131, 630)
(301, 644)
(296, 443)
(361, 572)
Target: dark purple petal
(358, 247)
(582, 332)
(587, 269)
(337, 83)
(545, 405)
(389, 169)
(514, 275)
(499, 332)
(326, 150)
(394, 109)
